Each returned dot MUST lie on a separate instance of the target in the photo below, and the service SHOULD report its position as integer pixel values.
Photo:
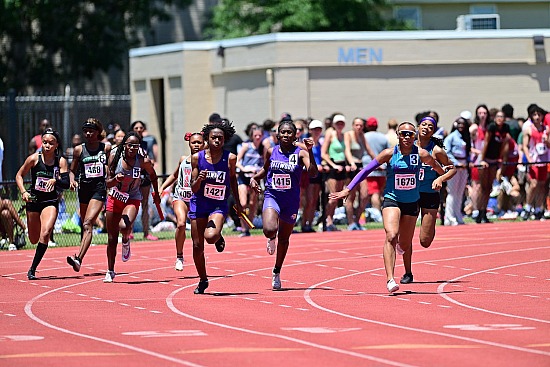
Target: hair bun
(188, 136)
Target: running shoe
(109, 276)
(12, 247)
(74, 261)
(399, 250)
(179, 264)
(332, 228)
(392, 286)
(52, 244)
(203, 284)
(31, 274)
(220, 244)
(245, 234)
(406, 278)
(126, 252)
(276, 281)
(271, 245)
(150, 237)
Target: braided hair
(120, 151)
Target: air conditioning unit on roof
(470, 22)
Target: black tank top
(40, 174)
(92, 166)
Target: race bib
(120, 196)
(185, 193)
(540, 148)
(281, 181)
(405, 181)
(93, 170)
(216, 192)
(40, 184)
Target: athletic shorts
(539, 173)
(429, 200)
(474, 174)
(376, 184)
(287, 209)
(243, 180)
(338, 175)
(352, 174)
(116, 206)
(87, 192)
(205, 210)
(510, 169)
(38, 207)
(411, 209)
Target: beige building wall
(382, 74)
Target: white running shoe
(392, 286)
(126, 253)
(179, 264)
(399, 250)
(51, 244)
(109, 276)
(12, 247)
(271, 246)
(276, 281)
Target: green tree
(47, 43)
(241, 18)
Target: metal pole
(66, 116)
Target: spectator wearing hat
(376, 181)
(311, 193)
(333, 152)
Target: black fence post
(11, 143)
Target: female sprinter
(123, 180)
(430, 184)
(401, 195)
(49, 172)
(283, 168)
(213, 172)
(182, 192)
(90, 163)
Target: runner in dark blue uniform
(430, 184)
(49, 172)
(283, 168)
(90, 165)
(213, 173)
(400, 206)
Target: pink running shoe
(126, 253)
(150, 237)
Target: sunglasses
(299, 129)
(132, 146)
(273, 130)
(407, 134)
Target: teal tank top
(427, 175)
(402, 176)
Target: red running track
(480, 298)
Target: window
(410, 15)
(483, 9)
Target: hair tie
(188, 136)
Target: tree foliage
(241, 18)
(51, 42)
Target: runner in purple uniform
(283, 168)
(213, 172)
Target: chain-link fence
(20, 117)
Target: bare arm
(29, 163)
(173, 177)
(233, 181)
(427, 158)
(254, 181)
